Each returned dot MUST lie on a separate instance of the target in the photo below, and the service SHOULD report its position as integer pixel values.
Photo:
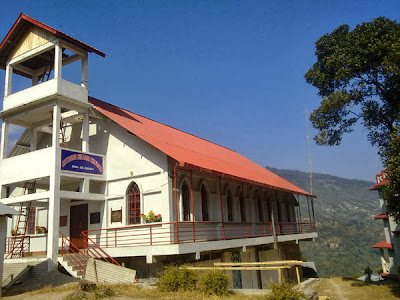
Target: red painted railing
(188, 232)
(78, 257)
(93, 250)
(295, 228)
(75, 255)
(16, 246)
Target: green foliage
(176, 278)
(214, 282)
(346, 227)
(284, 291)
(391, 190)
(357, 74)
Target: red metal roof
(191, 151)
(18, 25)
(383, 244)
(381, 216)
(381, 179)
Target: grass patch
(338, 287)
(48, 289)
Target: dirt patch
(55, 281)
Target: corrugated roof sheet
(7, 211)
(381, 216)
(190, 150)
(383, 244)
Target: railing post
(115, 237)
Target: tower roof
(25, 24)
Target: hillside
(344, 212)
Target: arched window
(186, 201)
(260, 209)
(204, 203)
(242, 208)
(133, 201)
(229, 204)
(267, 207)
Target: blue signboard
(81, 162)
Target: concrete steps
(72, 264)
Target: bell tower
(39, 53)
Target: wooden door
(78, 223)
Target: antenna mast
(308, 150)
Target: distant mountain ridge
(344, 213)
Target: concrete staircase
(74, 264)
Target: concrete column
(57, 61)
(33, 139)
(54, 199)
(84, 185)
(34, 80)
(4, 139)
(8, 81)
(3, 233)
(84, 66)
(85, 132)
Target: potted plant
(40, 229)
(151, 217)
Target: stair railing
(71, 252)
(94, 250)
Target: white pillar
(57, 61)
(84, 185)
(84, 66)
(54, 199)
(33, 139)
(8, 81)
(4, 139)
(85, 132)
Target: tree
(391, 190)
(357, 74)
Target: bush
(175, 278)
(214, 282)
(283, 291)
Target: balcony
(26, 166)
(136, 239)
(55, 88)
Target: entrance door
(236, 274)
(78, 223)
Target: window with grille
(30, 228)
(133, 197)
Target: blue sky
(231, 72)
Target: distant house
(390, 246)
(94, 176)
